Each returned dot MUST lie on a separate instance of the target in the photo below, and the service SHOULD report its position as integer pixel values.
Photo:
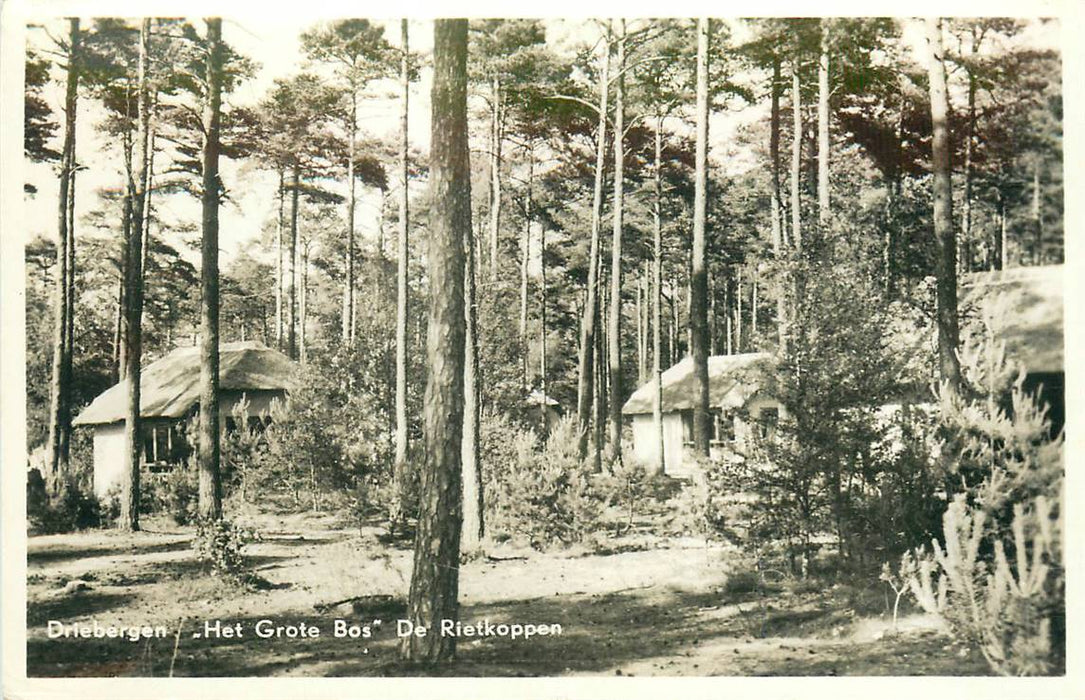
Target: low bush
(71, 508)
(177, 492)
(218, 545)
(541, 492)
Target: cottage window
(723, 427)
(161, 447)
(767, 419)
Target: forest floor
(647, 607)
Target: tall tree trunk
(435, 579)
(127, 146)
(542, 328)
(1004, 262)
(474, 525)
(893, 189)
(779, 230)
(402, 254)
(279, 287)
(599, 417)
(210, 494)
(698, 321)
(965, 261)
(292, 328)
(118, 328)
(348, 289)
(60, 398)
(69, 322)
(133, 439)
(640, 329)
(776, 211)
(823, 131)
(145, 243)
(1037, 216)
(657, 297)
(713, 319)
(796, 155)
(495, 170)
(525, 248)
(614, 330)
(738, 310)
(753, 311)
(948, 332)
(674, 321)
(588, 318)
(729, 319)
(303, 304)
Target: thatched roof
(170, 386)
(536, 398)
(1027, 308)
(732, 380)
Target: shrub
(218, 545)
(71, 508)
(1014, 614)
(177, 492)
(543, 492)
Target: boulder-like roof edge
(1026, 305)
(732, 381)
(170, 386)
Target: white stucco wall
(646, 443)
(108, 457)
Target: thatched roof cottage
(736, 404)
(170, 395)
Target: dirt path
(660, 611)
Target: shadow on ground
(599, 634)
(58, 553)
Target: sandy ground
(658, 611)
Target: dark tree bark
(614, 330)
(657, 297)
(698, 317)
(60, 411)
(948, 333)
(210, 494)
(133, 442)
(588, 318)
(435, 579)
(402, 255)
